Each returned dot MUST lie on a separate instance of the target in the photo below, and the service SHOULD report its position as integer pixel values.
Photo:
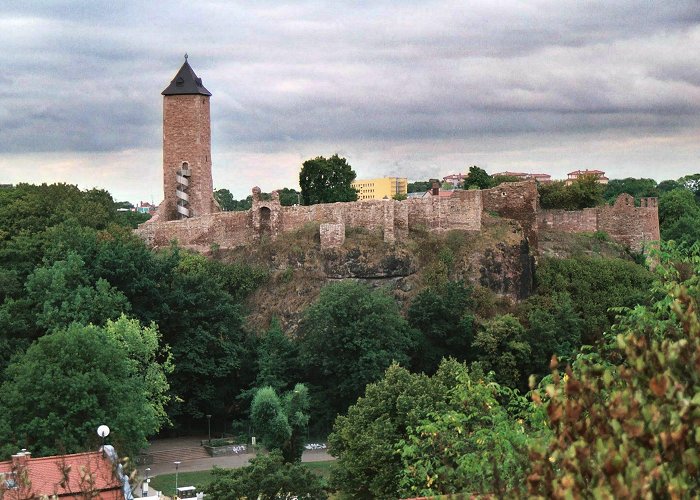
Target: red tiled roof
(510, 174)
(81, 471)
(586, 172)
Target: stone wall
(518, 201)
(624, 222)
(578, 221)
(332, 235)
(630, 225)
(269, 218)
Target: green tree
(630, 430)
(63, 294)
(225, 199)
(326, 180)
(71, 381)
(347, 339)
(638, 188)
(289, 197)
(474, 446)
(673, 207)
(366, 439)
(553, 328)
(668, 185)
(413, 433)
(584, 192)
(419, 186)
(442, 315)
(277, 359)
(267, 477)
(692, 183)
(501, 347)
(477, 178)
(281, 423)
(595, 285)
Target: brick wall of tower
(187, 138)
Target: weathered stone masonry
(269, 219)
(624, 222)
(187, 183)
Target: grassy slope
(166, 482)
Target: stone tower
(187, 181)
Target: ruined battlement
(630, 225)
(187, 184)
(267, 218)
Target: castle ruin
(190, 216)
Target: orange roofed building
(77, 476)
(598, 174)
(542, 178)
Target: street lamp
(144, 486)
(209, 427)
(177, 464)
(103, 432)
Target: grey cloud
(86, 76)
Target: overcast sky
(416, 89)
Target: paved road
(208, 463)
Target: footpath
(193, 457)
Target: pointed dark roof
(186, 83)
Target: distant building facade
(380, 189)
(455, 179)
(598, 174)
(525, 176)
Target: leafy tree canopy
(636, 187)
(595, 286)
(630, 430)
(584, 192)
(71, 381)
(267, 477)
(289, 197)
(478, 178)
(419, 186)
(502, 348)
(442, 314)
(347, 339)
(413, 434)
(281, 423)
(326, 180)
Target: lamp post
(103, 432)
(177, 464)
(209, 427)
(144, 486)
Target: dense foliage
(326, 180)
(626, 425)
(281, 422)
(584, 192)
(266, 478)
(96, 328)
(478, 179)
(416, 434)
(347, 339)
(72, 380)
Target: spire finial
(185, 56)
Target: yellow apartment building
(378, 189)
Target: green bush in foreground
(631, 431)
(266, 478)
